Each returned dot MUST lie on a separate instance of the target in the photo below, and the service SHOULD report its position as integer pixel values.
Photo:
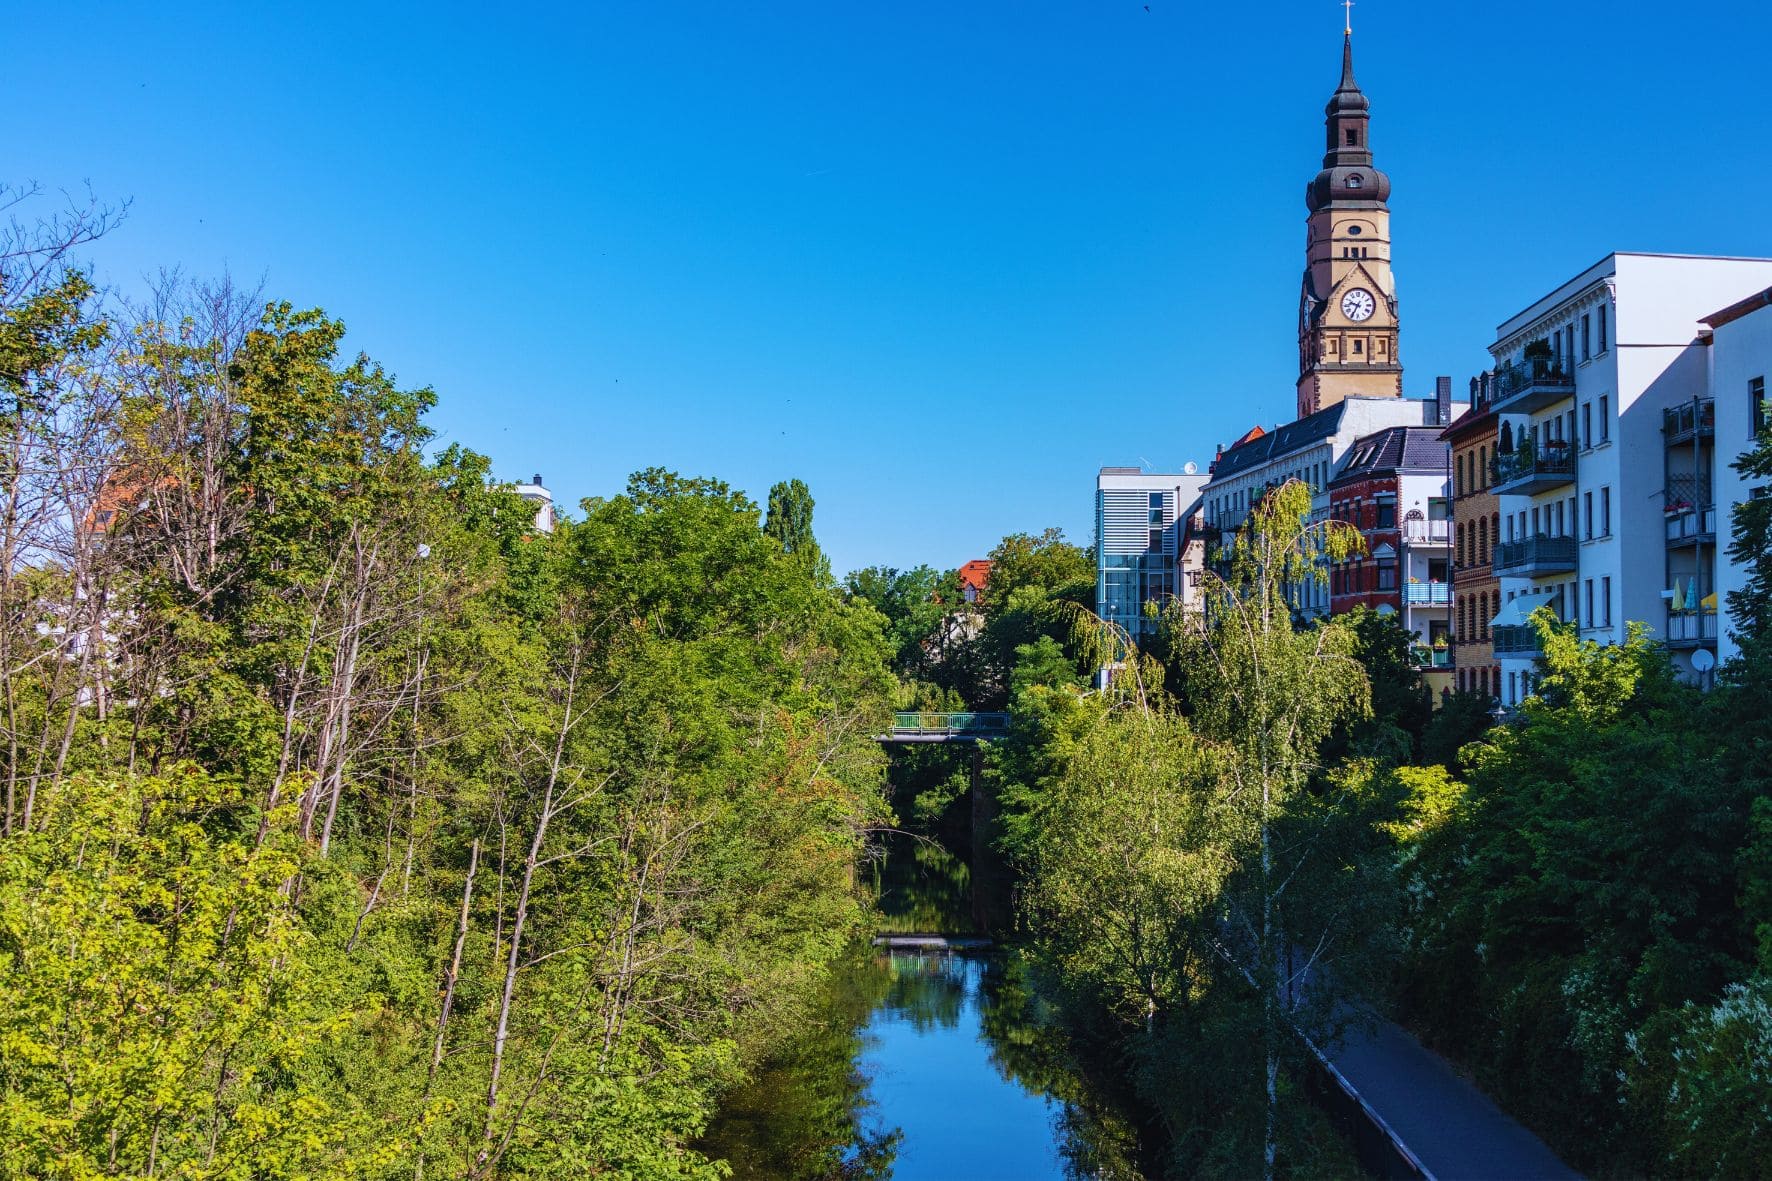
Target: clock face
(1358, 304)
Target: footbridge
(946, 727)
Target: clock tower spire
(1347, 312)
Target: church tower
(1347, 314)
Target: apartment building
(1736, 412)
(1313, 450)
(1586, 487)
(1476, 519)
(1393, 489)
(1140, 519)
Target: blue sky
(941, 260)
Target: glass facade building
(1139, 519)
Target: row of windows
(1380, 514)
(1240, 500)
(1360, 578)
(1471, 547)
(1472, 614)
(1471, 473)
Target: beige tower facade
(1347, 311)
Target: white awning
(1513, 613)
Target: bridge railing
(958, 724)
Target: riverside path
(1453, 1130)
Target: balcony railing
(1691, 629)
(1428, 657)
(1431, 594)
(1531, 384)
(1516, 640)
(1685, 491)
(1683, 423)
(1535, 556)
(1427, 532)
(1691, 525)
(1525, 470)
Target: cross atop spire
(1348, 26)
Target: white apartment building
(1312, 449)
(1140, 518)
(1740, 363)
(543, 500)
(1601, 517)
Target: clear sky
(941, 259)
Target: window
(1602, 328)
(1587, 499)
(1353, 138)
(1387, 575)
(1587, 424)
(1605, 601)
(1156, 546)
(1586, 337)
(1354, 231)
(1359, 347)
(1387, 514)
(1606, 513)
(1605, 420)
(1588, 590)
(1355, 181)
(1756, 403)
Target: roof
(1593, 274)
(1262, 446)
(975, 573)
(1249, 436)
(1740, 308)
(1394, 449)
(1469, 423)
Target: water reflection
(922, 1067)
(963, 1111)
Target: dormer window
(1355, 181)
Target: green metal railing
(955, 724)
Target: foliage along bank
(352, 826)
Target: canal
(921, 1065)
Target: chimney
(538, 479)
(1443, 400)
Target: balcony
(1518, 640)
(1691, 420)
(1689, 525)
(1523, 472)
(1535, 557)
(1530, 385)
(1691, 610)
(1429, 657)
(1691, 629)
(1427, 594)
(1427, 532)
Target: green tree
(1271, 696)
(166, 1008)
(790, 520)
(1046, 561)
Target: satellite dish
(1190, 469)
(1703, 661)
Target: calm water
(935, 1076)
(920, 1067)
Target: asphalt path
(1454, 1130)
